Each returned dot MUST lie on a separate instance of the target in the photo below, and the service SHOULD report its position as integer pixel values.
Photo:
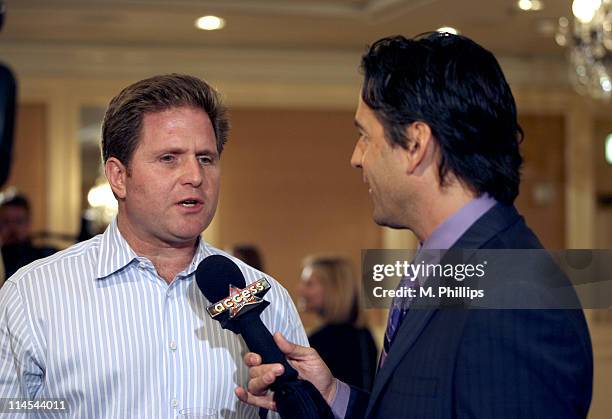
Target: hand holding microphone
(305, 360)
(217, 276)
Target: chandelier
(589, 39)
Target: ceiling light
(448, 29)
(530, 5)
(210, 23)
(584, 10)
(609, 149)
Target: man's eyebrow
(170, 150)
(207, 152)
(179, 150)
(358, 125)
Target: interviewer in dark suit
(439, 150)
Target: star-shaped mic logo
(240, 299)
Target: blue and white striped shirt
(95, 325)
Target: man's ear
(420, 143)
(116, 173)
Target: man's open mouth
(189, 203)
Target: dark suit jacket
(449, 363)
(349, 352)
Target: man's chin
(190, 228)
(385, 221)
(182, 240)
(187, 235)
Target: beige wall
(287, 187)
(542, 196)
(29, 160)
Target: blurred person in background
(330, 289)
(249, 254)
(16, 234)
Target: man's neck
(439, 207)
(169, 259)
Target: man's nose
(192, 173)
(357, 157)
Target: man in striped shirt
(115, 327)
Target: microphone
(216, 276)
(238, 307)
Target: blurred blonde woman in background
(330, 289)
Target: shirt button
(142, 265)
(172, 345)
(174, 403)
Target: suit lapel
(484, 229)
(407, 334)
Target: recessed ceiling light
(448, 29)
(530, 5)
(210, 23)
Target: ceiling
(290, 53)
(328, 25)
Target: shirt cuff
(340, 401)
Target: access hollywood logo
(239, 299)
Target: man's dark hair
(457, 88)
(123, 119)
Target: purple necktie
(397, 312)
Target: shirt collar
(201, 252)
(447, 233)
(115, 253)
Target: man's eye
(167, 158)
(205, 160)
